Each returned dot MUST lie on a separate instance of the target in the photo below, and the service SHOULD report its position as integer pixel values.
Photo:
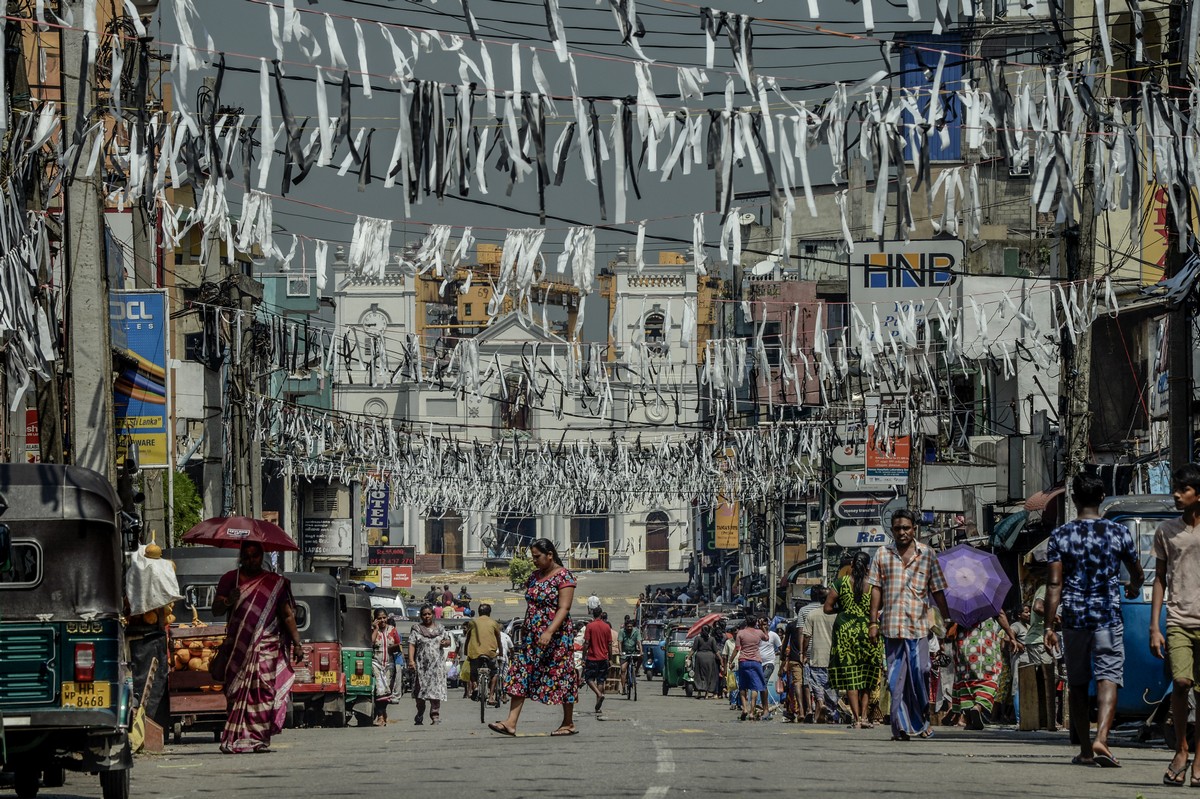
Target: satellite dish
(747, 219)
(762, 268)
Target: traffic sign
(873, 536)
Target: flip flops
(1174, 777)
(1105, 760)
(1079, 761)
(496, 726)
(563, 731)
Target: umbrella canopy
(230, 532)
(977, 585)
(704, 621)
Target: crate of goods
(191, 686)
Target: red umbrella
(230, 532)
(695, 629)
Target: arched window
(514, 411)
(654, 329)
(658, 539)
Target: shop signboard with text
(138, 321)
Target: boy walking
(1085, 557)
(1177, 575)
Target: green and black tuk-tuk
(319, 690)
(676, 669)
(65, 687)
(357, 651)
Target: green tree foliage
(519, 569)
(189, 505)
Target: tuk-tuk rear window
(204, 594)
(26, 568)
(302, 615)
(679, 635)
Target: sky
(797, 56)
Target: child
(1177, 567)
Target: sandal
(564, 731)
(926, 735)
(1174, 777)
(496, 726)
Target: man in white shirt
(766, 651)
(593, 602)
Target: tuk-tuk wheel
(666, 687)
(54, 777)
(216, 736)
(115, 784)
(26, 783)
(337, 717)
(687, 690)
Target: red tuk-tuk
(319, 690)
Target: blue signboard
(138, 321)
(377, 507)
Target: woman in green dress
(854, 662)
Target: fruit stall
(197, 701)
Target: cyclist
(629, 640)
(597, 648)
(483, 650)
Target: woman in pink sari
(259, 681)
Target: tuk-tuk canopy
(356, 616)
(318, 613)
(66, 543)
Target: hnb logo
(132, 310)
(908, 270)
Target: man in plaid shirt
(903, 574)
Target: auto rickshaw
(676, 671)
(1146, 679)
(198, 570)
(357, 651)
(653, 651)
(319, 689)
(65, 689)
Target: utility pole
(1179, 328)
(1081, 266)
(89, 342)
(244, 294)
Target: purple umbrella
(977, 586)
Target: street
(657, 747)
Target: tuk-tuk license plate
(360, 680)
(325, 677)
(86, 694)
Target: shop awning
(1008, 528)
(1041, 499)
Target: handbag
(219, 665)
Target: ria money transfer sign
(138, 321)
(903, 283)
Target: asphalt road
(657, 747)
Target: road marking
(684, 731)
(656, 792)
(666, 761)
(508, 600)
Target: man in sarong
(262, 627)
(903, 574)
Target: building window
(514, 411)
(919, 56)
(654, 328)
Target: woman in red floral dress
(543, 661)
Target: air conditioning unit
(984, 449)
(298, 285)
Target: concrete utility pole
(1179, 329)
(244, 294)
(89, 340)
(1081, 265)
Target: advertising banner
(33, 437)
(138, 321)
(903, 283)
(727, 522)
(391, 556)
(376, 516)
(887, 466)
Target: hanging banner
(138, 320)
(901, 284)
(887, 466)
(727, 517)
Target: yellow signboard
(727, 523)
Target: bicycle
(630, 687)
(483, 686)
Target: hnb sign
(908, 270)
